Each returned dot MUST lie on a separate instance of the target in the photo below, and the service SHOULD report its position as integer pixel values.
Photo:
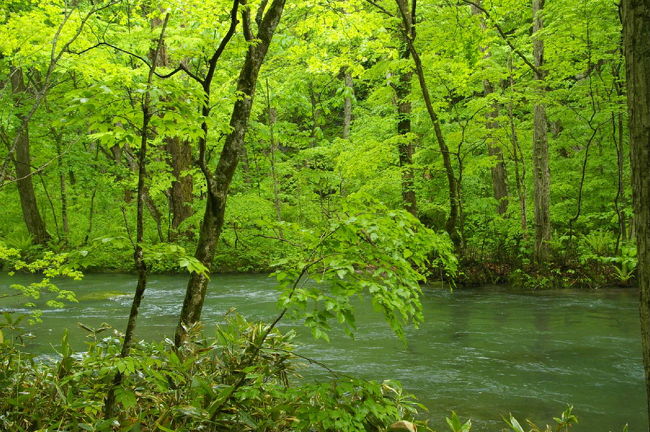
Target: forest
(357, 151)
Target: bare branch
(381, 8)
(503, 35)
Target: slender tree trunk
(91, 206)
(51, 203)
(271, 115)
(405, 146)
(617, 139)
(636, 34)
(347, 104)
(498, 170)
(219, 179)
(138, 253)
(23, 166)
(518, 158)
(154, 211)
(62, 190)
(520, 173)
(542, 173)
(315, 115)
(451, 225)
(617, 128)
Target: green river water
(481, 352)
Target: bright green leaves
(455, 424)
(369, 252)
(51, 265)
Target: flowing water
(480, 352)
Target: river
(480, 352)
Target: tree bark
(405, 147)
(407, 14)
(498, 170)
(23, 166)
(542, 173)
(218, 180)
(271, 115)
(347, 104)
(180, 193)
(636, 34)
(179, 158)
(62, 187)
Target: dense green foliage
(379, 145)
(82, 101)
(190, 389)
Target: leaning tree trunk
(23, 165)
(408, 14)
(542, 174)
(219, 179)
(636, 34)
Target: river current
(481, 352)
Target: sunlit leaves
(370, 253)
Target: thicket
(341, 109)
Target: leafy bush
(207, 384)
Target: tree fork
(219, 179)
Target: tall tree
(402, 93)
(636, 34)
(219, 179)
(347, 103)
(541, 170)
(407, 14)
(138, 253)
(22, 160)
(498, 170)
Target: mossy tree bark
(219, 179)
(636, 35)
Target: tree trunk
(138, 253)
(347, 105)
(498, 170)
(23, 166)
(271, 115)
(180, 160)
(156, 215)
(542, 174)
(636, 34)
(451, 225)
(180, 193)
(617, 139)
(218, 181)
(62, 189)
(405, 147)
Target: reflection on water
(482, 353)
